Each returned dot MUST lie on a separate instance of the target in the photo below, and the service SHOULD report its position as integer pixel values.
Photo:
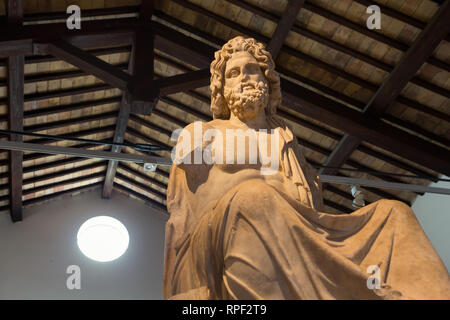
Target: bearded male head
(244, 81)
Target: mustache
(255, 87)
(252, 85)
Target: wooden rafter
(141, 67)
(284, 25)
(144, 95)
(15, 101)
(97, 33)
(88, 63)
(119, 134)
(417, 54)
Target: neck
(258, 122)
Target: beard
(247, 99)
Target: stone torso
(210, 182)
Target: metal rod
(382, 173)
(383, 184)
(77, 152)
(147, 159)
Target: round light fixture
(103, 238)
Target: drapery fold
(256, 241)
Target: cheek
(230, 85)
(261, 77)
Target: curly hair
(219, 105)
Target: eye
(233, 73)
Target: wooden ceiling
(361, 102)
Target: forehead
(240, 58)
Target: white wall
(433, 213)
(35, 253)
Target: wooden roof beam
(94, 34)
(119, 134)
(416, 55)
(144, 96)
(141, 67)
(16, 65)
(88, 63)
(284, 26)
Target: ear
(271, 106)
(272, 103)
(219, 107)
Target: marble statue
(246, 218)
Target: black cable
(381, 173)
(138, 146)
(153, 148)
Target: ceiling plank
(88, 63)
(284, 26)
(407, 67)
(16, 65)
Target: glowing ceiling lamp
(103, 238)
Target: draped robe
(242, 235)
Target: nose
(244, 76)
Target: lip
(247, 86)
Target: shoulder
(205, 125)
(193, 126)
(195, 129)
(217, 124)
